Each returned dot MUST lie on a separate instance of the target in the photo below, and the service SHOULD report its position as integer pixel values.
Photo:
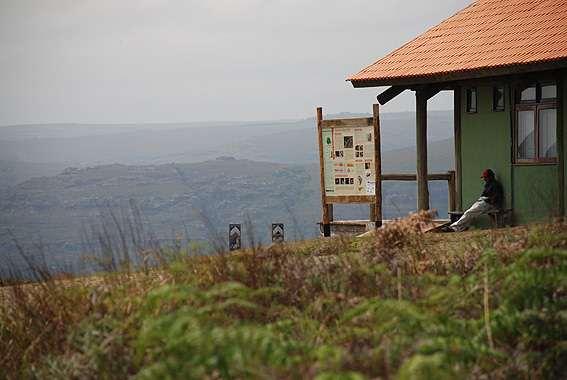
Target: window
(536, 124)
(528, 94)
(547, 121)
(471, 100)
(526, 135)
(548, 91)
(498, 98)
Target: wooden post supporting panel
(327, 211)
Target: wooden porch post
(452, 187)
(376, 207)
(560, 145)
(421, 149)
(457, 141)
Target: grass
(398, 305)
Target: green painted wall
(485, 144)
(536, 188)
(536, 193)
(531, 190)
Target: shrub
(403, 304)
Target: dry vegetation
(401, 304)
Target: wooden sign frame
(375, 200)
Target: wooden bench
(455, 215)
(498, 219)
(501, 218)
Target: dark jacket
(493, 191)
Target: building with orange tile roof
(506, 61)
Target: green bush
(199, 339)
(411, 307)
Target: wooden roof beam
(431, 92)
(390, 94)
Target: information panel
(348, 159)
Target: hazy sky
(187, 60)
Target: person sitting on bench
(490, 200)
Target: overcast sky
(116, 61)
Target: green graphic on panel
(327, 135)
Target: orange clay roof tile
(486, 34)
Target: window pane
(547, 133)
(528, 94)
(526, 137)
(471, 100)
(548, 91)
(498, 98)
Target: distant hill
(173, 198)
(440, 154)
(268, 171)
(15, 172)
(143, 144)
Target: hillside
(399, 305)
(196, 201)
(13, 173)
(170, 173)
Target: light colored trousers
(478, 208)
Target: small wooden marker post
(234, 237)
(278, 233)
(374, 200)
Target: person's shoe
(447, 229)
